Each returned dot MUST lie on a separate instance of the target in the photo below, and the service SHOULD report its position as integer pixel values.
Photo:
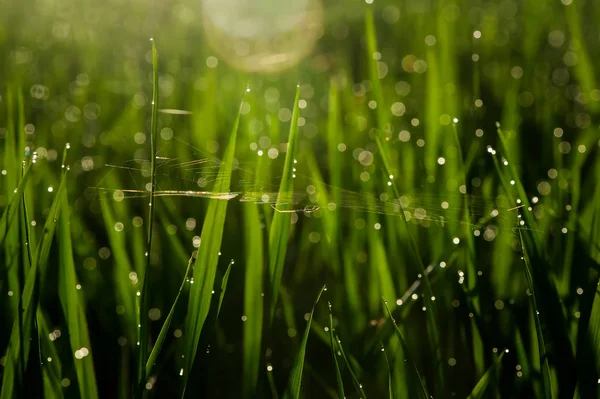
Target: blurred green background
(446, 160)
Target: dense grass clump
(373, 199)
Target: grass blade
(280, 226)
(483, 383)
(52, 371)
(547, 382)
(357, 385)
(391, 388)
(21, 340)
(338, 374)
(144, 299)
(432, 328)
(73, 305)
(295, 381)
(162, 335)
(13, 206)
(205, 266)
(418, 382)
(224, 287)
(253, 300)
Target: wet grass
(410, 212)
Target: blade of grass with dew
(281, 223)
(482, 385)
(253, 299)
(391, 388)
(547, 382)
(338, 374)
(144, 331)
(320, 332)
(432, 328)
(52, 370)
(30, 298)
(125, 292)
(588, 345)
(470, 259)
(162, 335)
(224, 287)
(12, 208)
(205, 267)
(295, 380)
(357, 385)
(537, 265)
(417, 383)
(73, 306)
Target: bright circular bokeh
(262, 35)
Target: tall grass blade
(391, 388)
(546, 377)
(432, 328)
(144, 299)
(52, 370)
(280, 225)
(205, 267)
(162, 335)
(332, 344)
(21, 340)
(73, 306)
(417, 383)
(295, 380)
(357, 385)
(253, 300)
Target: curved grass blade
(162, 335)
(144, 299)
(422, 392)
(280, 225)
(295, 381)
(224, 287)
(205, 266)
(21, 340)
(481, 386)
(332, 341)
(74, 308)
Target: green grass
(433, 164)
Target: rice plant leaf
(481, 386)
(295, 380)
(418, 381)
(391, 388)
(432, 327)
(13, 206)
(547, 382)
(73, 306)
(224, 287)
(332, 344)
(357, 385)
(52, 370)
(144, 299)
(162, 335)
(280, 225)
(253, 300)
(21, 340)
(205, 267)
